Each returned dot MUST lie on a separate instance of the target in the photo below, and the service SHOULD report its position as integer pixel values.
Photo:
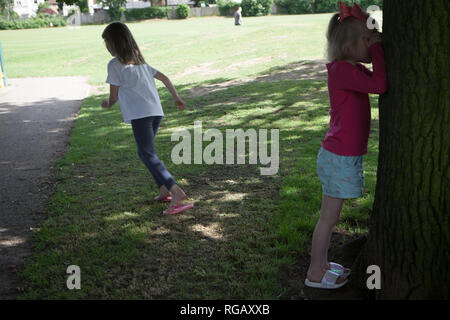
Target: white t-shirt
(138, 96)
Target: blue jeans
(144, 131)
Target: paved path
(36, 116)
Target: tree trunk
(409, 228)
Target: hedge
(40, 21)
(321, 6)
(146, 13)
(255, 8)
(183, 11)
(227, 7)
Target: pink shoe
(165, 199)
(178, 208)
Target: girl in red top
(339, 161)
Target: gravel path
(36, 117)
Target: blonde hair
(122, 44)
(340, 34)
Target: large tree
(409, 234)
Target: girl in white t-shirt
(132, 82)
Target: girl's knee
(146, 153)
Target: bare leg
(163, 192)
(178, 195)
(325, 265)
(329, 215)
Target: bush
(296, 6)
(146, 13)
(255, 8)
(40, 21)
(84, 6)
(183, 11)
(42, 6)
(227, 7)
(321, 6)
(114, 13)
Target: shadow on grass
(245, 230)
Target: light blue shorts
(341, 176)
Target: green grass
(245, 228)
(188, 50)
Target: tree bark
(313, 6)
(409, 235)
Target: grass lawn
(246, 230)
(188, 50)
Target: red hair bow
(346, 11)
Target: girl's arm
(350, 78)
(113, 96)
(178, 101)
(366, 81)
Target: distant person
(238, 17)
(132, 82)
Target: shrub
(84, 6)
(40, 21)
(113, 8)
(114, 13)
(227, 7)
(146, 13)
(42, 6)
(256, 7)
(183, 11)
(295, 6)
(321, 6)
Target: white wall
(26, 8)
(136, 4)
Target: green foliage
(40, 21)
(183, 11)
(295, 6)
(227, 7)
(42, 6)
(366, 3)
(7, 10)
(113, 8)
(321, 6)
(255, 8)
(4, 4)
(146, 13)
(83, 5)
(9, 15)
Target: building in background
(26, 8)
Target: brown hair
(340, 34)
(122, 44)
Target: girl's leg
(329, 215)
(177, 193)
(143, 130)
(163, 192)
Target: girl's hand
(180, 103)
(374, 38)
(105, 104)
